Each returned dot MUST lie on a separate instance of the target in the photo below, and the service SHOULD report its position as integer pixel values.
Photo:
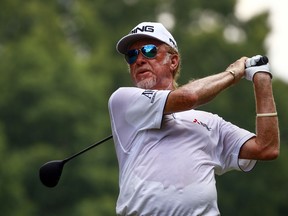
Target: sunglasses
(149, 51)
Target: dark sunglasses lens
(131, 56)
(149, 51)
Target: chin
(146, 83)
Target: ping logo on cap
(143, 29)
(151, 30)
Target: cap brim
(123, 44)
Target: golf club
(51, 171)
(262, 61)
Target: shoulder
(134, 94)
(122, 94)
(124, 91)
(132, 91)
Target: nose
(140, 58)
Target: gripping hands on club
(256, 64)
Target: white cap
(146, 30)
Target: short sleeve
(232, 138)
(134, 109)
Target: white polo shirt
(168, 163)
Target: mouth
(143, 74)
(142, 71)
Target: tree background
(58, 67)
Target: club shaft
(88, 148)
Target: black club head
(50, 172)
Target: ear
(174, 61)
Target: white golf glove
(252, 69)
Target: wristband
(266, 114)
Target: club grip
(262, 61)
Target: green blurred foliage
(58, 67)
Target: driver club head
(50, 172)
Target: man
(168, 152)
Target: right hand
(238, 67)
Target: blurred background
(59, 66)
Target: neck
(169, 87)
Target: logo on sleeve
(150, 94)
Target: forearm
(267, 129)
(198, 92)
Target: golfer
(168, 150)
